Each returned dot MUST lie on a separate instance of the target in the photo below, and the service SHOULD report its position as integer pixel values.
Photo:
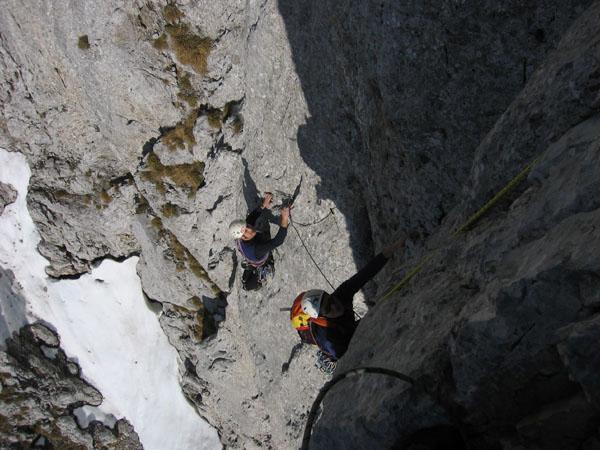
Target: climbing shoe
(325, 363)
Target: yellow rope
(511, 184)
(408, 276)
(468, 224)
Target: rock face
(150, 126)
(40, 390)
(7, 196)
(488, 326)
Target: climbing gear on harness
(236, 228)
(247, 253)
(311, 302)
(265, 272)
(253, 278)
(325, 363)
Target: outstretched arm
(348, 288)
(264, 248)
(255, 214)
(351, 286)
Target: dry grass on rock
(191, 49)
(182, 134)
(172, 14)
(188, 176)
(186, 90)
(161, 43)
(83, 42)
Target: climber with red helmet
(254, 246)
(327, 320)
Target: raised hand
(267, 200)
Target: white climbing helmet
(311, 302)
(236, 228)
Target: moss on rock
(190, 49)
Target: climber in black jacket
(327, 320)
(256, 247)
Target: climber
(327, 320)
(255, 246)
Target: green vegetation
(141, 204)
(189, 176)
(172, 14)
(215, 118)
(170, 210)
(157, 224)
(182, 257)
(182, 133)
(190, 49)
(202, 323)
(161, 43)
(83, 42)
(205, 324)
(237, 125)
(180, 253)
(186, 91)
(62, 196)
(105, 197)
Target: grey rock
(482, 324)
(38, 394)
(394, 119)
(7, 196)
(12, 306)
(581, 358)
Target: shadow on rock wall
(400, 95)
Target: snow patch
(106, 327)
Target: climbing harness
(411, 274)
(250, 258)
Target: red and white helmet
(311, 302)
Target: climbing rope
(308, 251)
(466, 226)
(316, 221)
(357, 371)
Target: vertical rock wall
(150, 126)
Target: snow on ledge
(106, 326)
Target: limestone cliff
(149, 126)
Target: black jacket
(260, 245)
(334, 339)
